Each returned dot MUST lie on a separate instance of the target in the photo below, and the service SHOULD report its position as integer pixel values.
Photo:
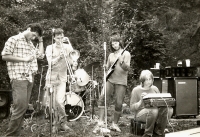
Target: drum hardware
(91, 67)
(36, 126)
(38, 103)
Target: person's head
(58, 35)
(116, 42)
(146, 78)
(73, 58)
(65, 40)
(33, 31)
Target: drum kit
(74, 105)
(79, 81)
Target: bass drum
(74, 106)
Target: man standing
(116, 83)
(58, 59)
(21, 58)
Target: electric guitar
(111, 69)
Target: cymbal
(92, 65)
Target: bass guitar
(111, 69)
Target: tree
(135, 23)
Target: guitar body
(111, 69)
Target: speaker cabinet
(181, 72)
(158, 83)
(5, 100)
(155, 72)
(186, 96)
(168, 85)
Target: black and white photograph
(100, 68)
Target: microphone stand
(106, 130)
(104, 70)
(51, 89)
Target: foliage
(159, 30)
(135, 23)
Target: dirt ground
(38, 124)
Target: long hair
(115, 37)
(143, 76)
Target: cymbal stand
(92, 98)
(104, 70)
(38, 103)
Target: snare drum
(74, 106)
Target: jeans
(111, 88)
(155, 118)
(59, 100)
(21, 92)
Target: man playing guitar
(116, 82)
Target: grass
(39, 126)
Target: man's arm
(135, 102)
(12, 58)
(7, 53)
(125, 61)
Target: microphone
(104, 45)
(52, 31)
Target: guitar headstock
(129, 42)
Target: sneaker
(145, 135)
(98, 127)
(158, 134)
(54, 130)
(155, 135)
(64, 127)
(115, 127)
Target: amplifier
(191, 72)
(155, 72)
(181, 72)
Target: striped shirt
(18, 46)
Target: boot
(114, 125)
(63, 124)
(100, 123)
